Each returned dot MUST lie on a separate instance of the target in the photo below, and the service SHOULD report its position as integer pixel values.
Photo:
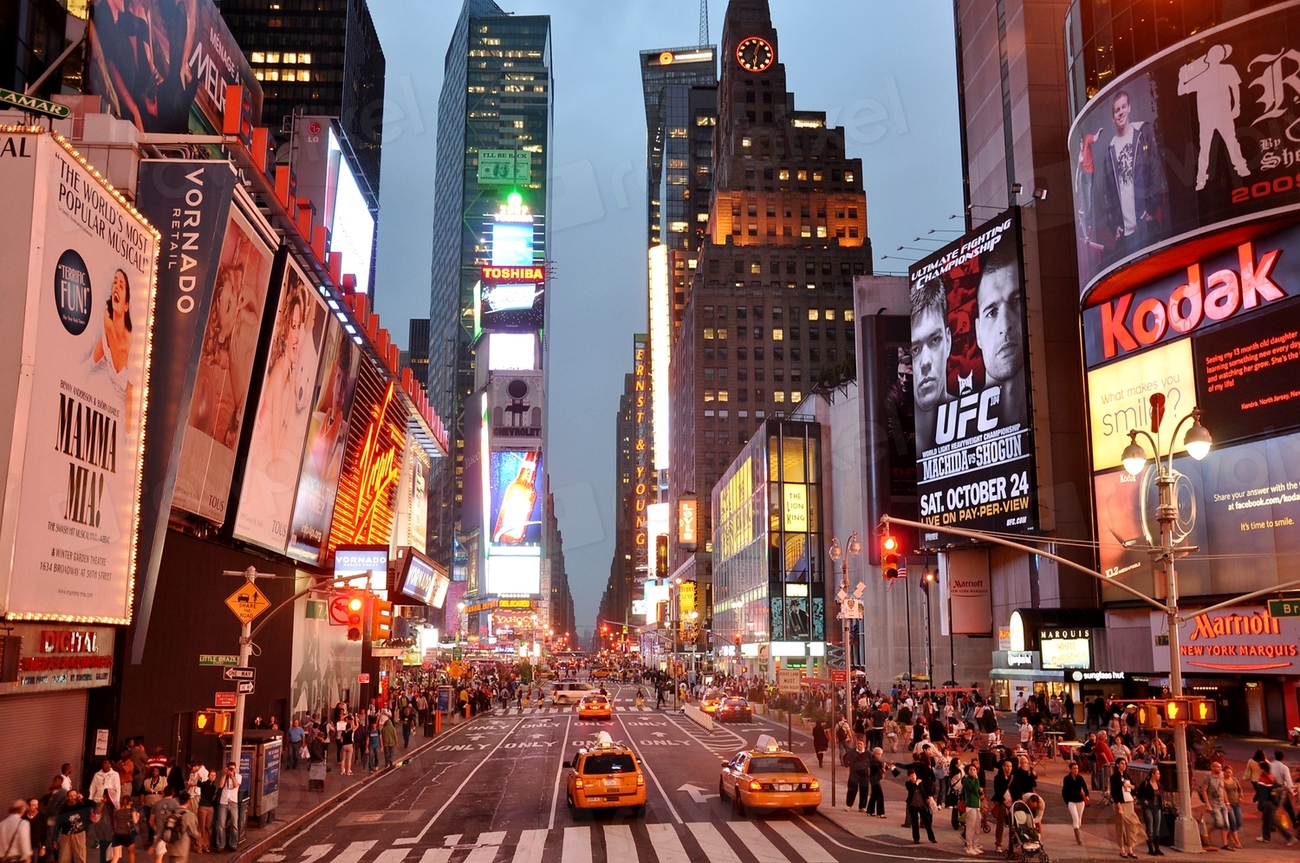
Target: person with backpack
(178, 833)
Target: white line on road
(488, 845)
(413, 840)
(354, 852)
(640, 756)
(436, 855)
(577, 845)
(559, 774)
(529, 849)
(392, 855)
(619, 845)
(315, 852)
(803, 844)
(667, 844)
(714, 846)
(839, 844)
(758, 844)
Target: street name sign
(218, 659)
(1284, 607)
(239, 673)
(33, 104)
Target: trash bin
(259, 770)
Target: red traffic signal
(888, 545)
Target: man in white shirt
(65, 774)
(226, 817)
(1282, 778)
(16, 834)
(106, 780)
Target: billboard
(516, 407)
(78, 267)
(975, 447)
(351, 223)
(1200, 136)
(513, 572)
(189, 202)
(515, 506)
(510, 305)
(1119, 397)
(412, 526)
(327, 434)
(165, 65)
(225, 368)
(365, 511)
(423, 580)
(512, 244)
(370, 561)
(280, 427)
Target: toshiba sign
(1204, 294)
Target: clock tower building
(769, 317)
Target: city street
(492, 792)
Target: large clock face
(755, 54)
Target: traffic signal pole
(245, 653)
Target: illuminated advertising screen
(225, 369)
(423, 580)
(73, 400)
(512, 244)
(1198, 136)
(351, 224)
(283, 414)
(512, 352)
(516, 402)
(511, 305)
(327, 435)
(515, 506)
(975, 447)
(371, 561)
(1119, 397)
(165, 66)
(1062, 653)
(514, 573)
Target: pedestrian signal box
(212, 721)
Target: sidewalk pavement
(298, 806)
(1058, 836)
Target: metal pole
(1187, 836)
(245, 652)
(907, 595)
(952, 650)
(929, 655)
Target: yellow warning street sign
(247, 603)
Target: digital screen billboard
(512, 244)
(423, 580)
(975, 447)
(283, 413)
(1119, 397)
(510, 573)
(515, 508)
(351, 224)
(1199, 136)
(512, 352)
(371, 561)
(511, 305)
(165, 66)
(516, 402)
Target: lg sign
(1127, 324)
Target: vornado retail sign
(82, 263)
(1203, 135)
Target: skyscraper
(490, 244)
(771, 307)
(321, 57)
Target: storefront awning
(1025, 674)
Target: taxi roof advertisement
(975, 447)
(88, 266)
(1203, 135)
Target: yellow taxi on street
(595, 707)
(605, 776)
(769, 777)
(600, 673)
(709, 703)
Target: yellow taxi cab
(709, 703)
(769, 777)
(605, 776)
(595, 707)
(600, 673)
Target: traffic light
(212, 721)
(1204, 710)
(1176, 710)
(381, 619)
(738, 640)
(1148, 716)
(889, 557)
(354, 606)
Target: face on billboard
(165, 65)
(313, 508)
(971, 394)
(71, 508)
(288, 390)
(224, 373)
(1200, 135)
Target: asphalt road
(491, 792)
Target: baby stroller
(1025, 844)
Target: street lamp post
(1187, 837)
(838, 556)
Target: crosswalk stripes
(667, 844)
(553, 711)
(775, 841)
(577, 845)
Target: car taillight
(640, 780)
(577, 783)
(814, 785)
(755, 786)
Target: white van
(570, 691)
